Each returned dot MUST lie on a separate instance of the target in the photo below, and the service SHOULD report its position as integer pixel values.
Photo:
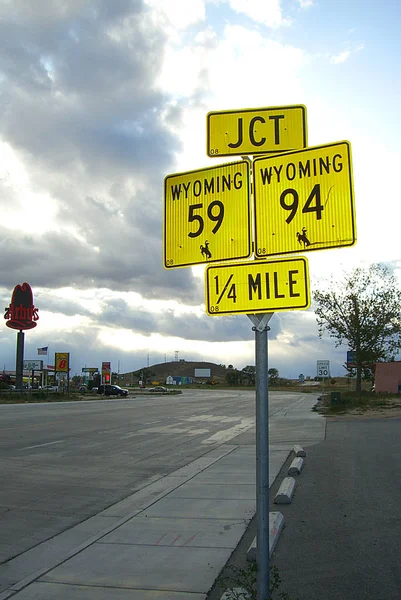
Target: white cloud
(179, 14)
(239, 69)
(305, 3)
(340, 58)
(266, 12)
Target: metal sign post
(261, 328)
(19, 363)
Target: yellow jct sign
(256, 130)
(207, 215)
(304, 200)
(257, 287)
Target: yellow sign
(61, 361)
(207, 215)
(257, 287)
(256, 130)
(304, 200)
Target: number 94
(312, 204)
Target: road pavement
(173, 534)
(342, 533)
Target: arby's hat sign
(21, 314)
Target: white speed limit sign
(323, 368)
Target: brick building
(388, 377)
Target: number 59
(213, 216)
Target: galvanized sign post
(261, 328)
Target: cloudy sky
(101, 99)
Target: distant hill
(181, 368)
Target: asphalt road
(64, 462)
(342, 535)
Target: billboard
(203, 373)
(33, 365)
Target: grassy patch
(242, 583)
(358, 402)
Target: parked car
(159, 389)
(112, 390)
(50, 388)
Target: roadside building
(388, 377)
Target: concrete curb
(240, 593)
(286, 491)
(299, 451)
(276, 524)
(296, 466)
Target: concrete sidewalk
(170, 540)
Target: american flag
(43, 350)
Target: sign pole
(262, 452)
(19, 366)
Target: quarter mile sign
(256, 130)
(257, 287)
(207, 215)
(304, 200)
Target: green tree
(273, 376)
(95, 382)
(249, 374)
(233, 377)
(146, 375)
(365, 311)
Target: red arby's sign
(21, 314)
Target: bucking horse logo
(302, 239)
(205, 250)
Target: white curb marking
(286, 491)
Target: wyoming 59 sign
(207, 215)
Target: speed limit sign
(323, 368)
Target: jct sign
(256, 131)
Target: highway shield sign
(207, 215)
(257, 287)
(256, 130)
(304, 200)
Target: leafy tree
(146, 375)
(273, 376)
(95, 382)
(233, 377)
(249, 374)
(365, 311)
